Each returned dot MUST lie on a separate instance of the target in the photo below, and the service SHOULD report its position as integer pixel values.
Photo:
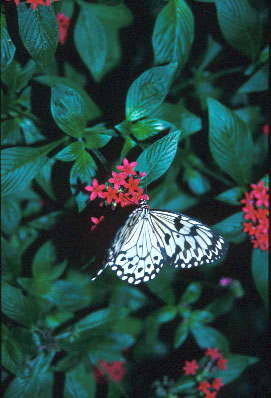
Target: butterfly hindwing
(187, 242)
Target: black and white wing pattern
(149, 238)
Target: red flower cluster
(34, 2)
(256, 210)
(211, 387)
(124, 188)
(114, 370)
(63, 25)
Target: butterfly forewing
(149, 238)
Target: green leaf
(230, 142)
(146, 128)
(259, 270)
(39, 32)
(241, 26)
(91, 40)
(235, 366)
(222, 305)
(45, 222)
(10, 214)
(97, 136)
(250, 116)
(173, 33)
(45, 256)
(212, 50)
(112, 18)
(101, 317)
(129, 143)
(71, 152)
(16, 306)
(198, 183)
(44, 178)
(7, 47)
(11, 133)
(207, 336)
(192, 293)
(50, 80)
(201, 316)
(179, 116)
(83, 169)
(12, 356)
(127, 296)
(257, 82)
(69, 110)
(157, 158)
(148, 91)
(168, 196)
(231, 196)
(232, 228)
(20, 165)
(181, 334)
(165, 314)
(79, 383)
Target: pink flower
(209, 394)
(114, 370)
(96, 221)
(204, 386)
(213, 353)
(123, 199)
(225, 282)
(110, 194)
(190, 367)
(217, 384)
(63, 25)
(132, 185)
(35, 3)
(127, 167)
(221, 363)
(96, 189)
(117, 179)
(266, 129)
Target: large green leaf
(20, 165)
(16, 306)
(173, 33)
(50, 80)
(112, 17)
(91, 40)
(79, 383)
(207, 336)
(230, 142)
(259, 269)
(236, 364)
(148, 91)
(257, 82)
(69, 110)
(10, 214)
(44, 178)
(241, 26)
(39, 32)
(7, 47)
(232, 228)
(70, 152)
(156, 159)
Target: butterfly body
(150, 238)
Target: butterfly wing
(136, 254)
(187, 242)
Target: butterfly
(150, 238)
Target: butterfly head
(144, 204)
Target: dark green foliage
(180, 87)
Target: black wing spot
(177, 223)
(148, 265)
(130, 266)
(140, 269)
(123, 258)
(167, 237)
(155, 258)
(187, 245)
